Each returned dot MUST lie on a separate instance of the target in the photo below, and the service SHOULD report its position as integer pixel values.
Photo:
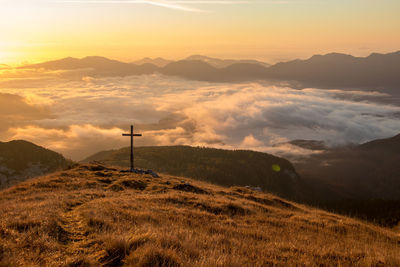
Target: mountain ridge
(331, 71)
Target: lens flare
(276, 168)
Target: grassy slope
(223, 167)
(20, 156)
(99, 216)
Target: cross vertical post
(132, 162)
(131, 135)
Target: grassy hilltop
(218, 166)
(98, 216)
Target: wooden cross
(132, 135)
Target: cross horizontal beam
(131, 134)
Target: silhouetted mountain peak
(330, 57)
(18, 142)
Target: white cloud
(81, 117)
(249, 142)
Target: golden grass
(94, 216)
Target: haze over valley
(65, 109)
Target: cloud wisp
(181, 5)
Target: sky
(269, 30)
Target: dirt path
(78, 242)
(73, 224)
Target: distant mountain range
(341, 71)
(375, 72)
(20, 160)
(215, 62)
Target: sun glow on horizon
(40, 30)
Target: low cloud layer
(18, 111)
(80, 117)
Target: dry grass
(94, 216)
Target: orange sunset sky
(38, 30)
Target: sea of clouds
(81, 116)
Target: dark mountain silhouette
(191, 69)
(223, 63)
(223, 167)
(358, 180)
(366, 171)
(243, 72)
(375, 72)
(341, 71)
(20, 160)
